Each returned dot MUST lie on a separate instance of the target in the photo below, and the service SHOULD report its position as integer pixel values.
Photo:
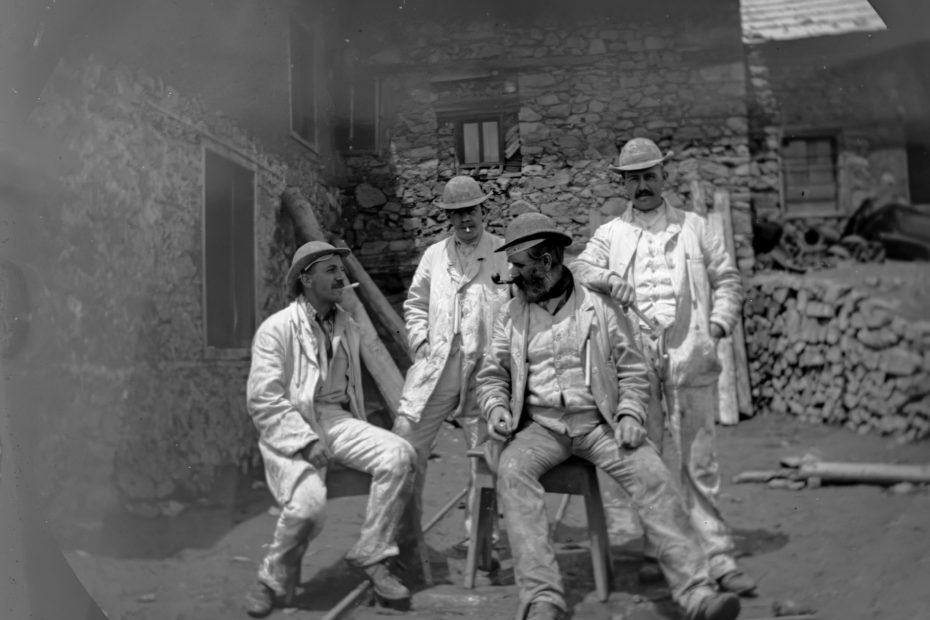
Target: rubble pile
(828, 352)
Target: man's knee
(398, 456)
(308, 503)
(510, 469)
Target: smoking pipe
(497, 279)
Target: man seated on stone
(562, 377)
(305, 397)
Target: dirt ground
(848, 552)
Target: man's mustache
(643, 192)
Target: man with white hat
(449, 311)
(563, 377)
(304, 394)
(680, 276)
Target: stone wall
(833, 353)
(794, 90)
(577, 88)
(137, 410)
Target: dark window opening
(357, 121)
(809, 166)
(229, 255)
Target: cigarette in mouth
(348, 286)
(468, 229)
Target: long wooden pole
(375, 356)
(728, 412)
(374, 299)
(879, 473)
(740, 359)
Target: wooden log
(878, 473)
(728, 412)
(722, 206)
(375, 356)
(763, 475)
(375, 301)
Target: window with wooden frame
(810, 176)
(358, 116)
(229, 252)
(304, 72)
(478, 141)
(486, 140)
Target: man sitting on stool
(305, 397)
(562, 377)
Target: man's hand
(629, 433)
(317, 454)
(402, 426)
(499, 424)
(422, 351)
(716, 332)
(621, 290)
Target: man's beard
(534, 288)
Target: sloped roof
(771, 20)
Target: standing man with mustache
(304, 394)
(679, 274)
(563, 377)
(449, 311)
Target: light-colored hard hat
(639, 154)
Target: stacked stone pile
(830, 353)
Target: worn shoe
(717, 606)
(650, 572)
(738, 582)
(387, 586)
(259, 601)
(543, 610)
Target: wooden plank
(375, 356)
(728, 412)
(740, 359)
(880, 473)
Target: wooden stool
(575, 476)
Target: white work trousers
(691, 412)
(358, 445)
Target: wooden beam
(728, 412)
(375, 355)
(375, 300)
(879, 473)
(740, 359)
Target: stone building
(155, 254)
(154, 242)
(535, 99)
(837, 105)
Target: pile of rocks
(828, 352)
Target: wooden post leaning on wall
(375, 355)
(375, 300)
(729, 401)
(728, 412)
(741, 360)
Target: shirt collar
(653, 221)
(465, 245)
